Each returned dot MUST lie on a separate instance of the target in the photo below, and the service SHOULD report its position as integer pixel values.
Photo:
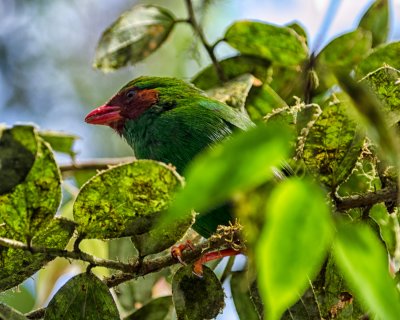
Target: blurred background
(47, 49)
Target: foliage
(317, 240)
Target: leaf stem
(209, 48)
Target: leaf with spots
(136, 34)
(30, 205)
(333, 144)
(16, 265)
(280, 45)
(197, 298)
(385, 83)
(127, 200)
(83, 297)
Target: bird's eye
(130, 94)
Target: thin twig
(209, 48)
(97, 164)
(53, 253)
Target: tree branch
(76, 255)
(209, 48)
(366, 199)
(97, 164)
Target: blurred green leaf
(364, 264)
(299, 29)
(8, 313)
(234, 92)
(60, 141)
(383, 55)
(280, 45)
(133, 36)
(16, 265)
(293, 243)
(333, 144)
(218, 173)
(126, 200)
(22, 299)
(232, 67)
(83, 297)
(385, 83)
(287, 82)
(242, 298)
(29, 206)
(156, 309)
(376, 20)
(197, 298)
(346, 50)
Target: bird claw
(176, 251)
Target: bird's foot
(176, 251)
(198, 265)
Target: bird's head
(136, 97)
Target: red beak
(105, 115)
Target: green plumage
(183, 122)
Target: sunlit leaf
(242, 297)
(60, 141)
(299, 29)
(197, 298)
(383, 55)
(385, 83)
(8, 313)
(281, 45)
(127, 200)
(233, 92)
(346, 50)
(83, 297)
(232, 67)
(293, 243)
(218, 173)
(376, 20)
(30, 205)
(364, 263)
(133, 36)
(333, 144)
(16, 265)
(156, 309)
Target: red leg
(176, 251)
(198, 265)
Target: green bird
(169, 120)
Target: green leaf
(133, 36)
(30, 205)
(83, 297)
(197, 298)
(281, 45)
(233, 92)
(156, 309)
(346, 50)
(287, 82)
(17, 265)
(240, 163)
(60, 141)
(242, 298)
(293, 243)
(8, 313)
(385, 83)
(126, 200)
(364, 264)
(232, 67)
(383, 55)
(263, 100)
(370, 108)
(376, 20)
(299, 29)
(333, 144)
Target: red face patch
(135, 102)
